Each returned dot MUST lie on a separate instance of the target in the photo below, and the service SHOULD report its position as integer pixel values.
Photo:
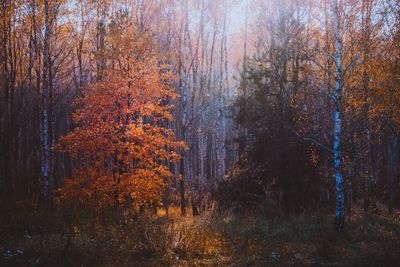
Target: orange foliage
(121, 139)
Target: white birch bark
(339, 217)
(44, 122)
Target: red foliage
(122, 140)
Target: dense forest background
(280, 108)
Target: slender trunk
(339, 218)
(182, 188)
(366, 36)
(166, 202)
(101, 35)
(195, 209)
(44, 140)
(184, 167)
(392, 172)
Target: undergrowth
(249, 239)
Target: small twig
(317, 143)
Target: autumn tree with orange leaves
(121, 139)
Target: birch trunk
(339, 217)
(44, 127)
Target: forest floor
(207, 240)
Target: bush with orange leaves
(122, 140)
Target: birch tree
(337, 96)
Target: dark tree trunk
(392, 173)
(182, 188)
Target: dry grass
(209, 240)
